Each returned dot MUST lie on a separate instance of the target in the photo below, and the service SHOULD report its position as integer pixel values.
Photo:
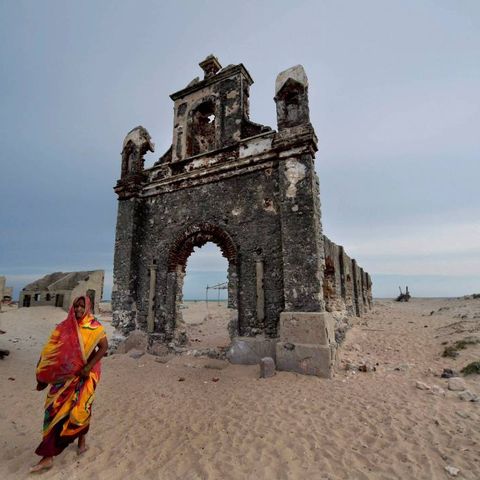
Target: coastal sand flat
(149, 425)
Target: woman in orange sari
(70, 364)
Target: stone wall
(346, 287)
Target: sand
(149, 425)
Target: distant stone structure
(59, 289)
(254, 192)
(6, 293)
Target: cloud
(427, 239)
(207, 259)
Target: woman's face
(79, 308)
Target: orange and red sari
(69, 401)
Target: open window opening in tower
(201, 136)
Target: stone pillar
(232, 286)
(260, 291)
(124, 265)
(2, 290)
(301, 230)
(304, 346)
(357, 288)
(179, 295)
(347, 281)
(128, 231)
(151, 299)
(302, 247)
(369, 291)
(171, 301)
(364, 290)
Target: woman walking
(70, 364)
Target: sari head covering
(69, 346)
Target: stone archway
(197, 236)
(193, 237)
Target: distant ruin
(254, 192)
(6, 293)
(59, 289)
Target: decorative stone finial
(296, 74)
(291, 97)
(136, 144)
(210, 66)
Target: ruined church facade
(254, 192)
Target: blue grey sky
(394, 99)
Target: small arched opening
(292, 104)
(201, 131)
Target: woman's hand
(85, 371)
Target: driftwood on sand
(403, 297)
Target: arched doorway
(220, 321)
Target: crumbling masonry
(254, 192)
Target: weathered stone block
(307, 327)
(267, 367)
(250, 350)
(306, 359)
(137, 340)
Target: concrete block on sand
(306, 359)
(250, 350)
(307, 328)
(267, 367)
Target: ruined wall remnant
(251, 190)
(346, 286)
(6, 293)
(332, 278)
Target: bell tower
(212, 113)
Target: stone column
(301, 228)
(151, 299)
(307, 343)
(124, 265)
(2, 289)
(302, 246)
(356, 289)
(260, 291)
(232, 286)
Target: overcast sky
(394, 99)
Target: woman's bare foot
(82, 447)
(44, 464)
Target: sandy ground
(223, 422)
(206, 324)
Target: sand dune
(149, 425)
